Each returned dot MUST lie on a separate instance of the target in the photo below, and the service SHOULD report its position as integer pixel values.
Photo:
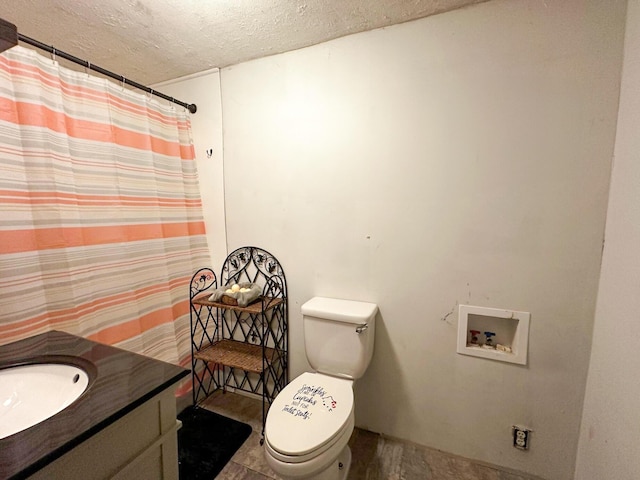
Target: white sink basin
(29, 394)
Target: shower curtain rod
(55, 52)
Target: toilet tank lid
(348, 311)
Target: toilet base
(345, 460)
(338, 470)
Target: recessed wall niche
(493, 333)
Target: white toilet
(310, 422)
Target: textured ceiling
(150, 41)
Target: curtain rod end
(8, 35)
(192, 108)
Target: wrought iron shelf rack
(240, 348)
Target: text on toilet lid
(309, 396)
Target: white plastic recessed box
(511, 328)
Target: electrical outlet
(521, 437)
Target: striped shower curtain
(101, 221)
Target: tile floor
(374, 457)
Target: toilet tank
(339, 335)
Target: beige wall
(206, 125)
(462, 158)
(610, 432)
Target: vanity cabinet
(123, 426)
(142, 445)
(240, 348)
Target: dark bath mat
(206, 442)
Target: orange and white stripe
(101, 220)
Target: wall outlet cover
(521, 437)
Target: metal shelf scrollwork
(243, 348)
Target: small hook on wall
(209, 152)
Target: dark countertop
(122, 382)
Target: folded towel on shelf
(241, 293)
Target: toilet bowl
(309, 426)
(310, 422)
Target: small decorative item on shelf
(240, 294)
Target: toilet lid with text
(308, 413)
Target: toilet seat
(309, 415)
(319, 457)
